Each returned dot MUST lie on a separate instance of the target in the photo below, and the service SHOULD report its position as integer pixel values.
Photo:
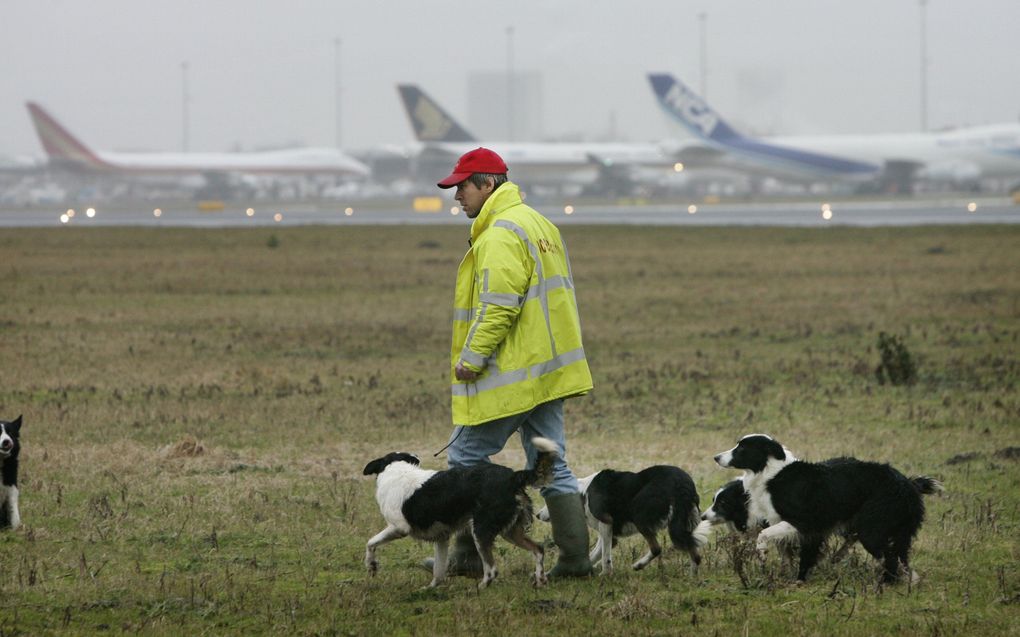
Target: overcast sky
(262, 73)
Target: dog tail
(926, 485)
(542, 473)
(687, 530)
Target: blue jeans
(473, 445)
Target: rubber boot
(570, 534)
(464, 559)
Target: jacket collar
(506, 196)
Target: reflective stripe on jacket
(515, 315)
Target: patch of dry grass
(198, 408)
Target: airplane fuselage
(993, 150)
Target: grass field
(198, 406)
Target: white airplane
(607, 165)
(892, 161)
(20, 164)
(66, 151)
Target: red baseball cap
(479, 160)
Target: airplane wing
(693, 154)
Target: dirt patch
(960, 458)
(1008, 453)
(186, 447)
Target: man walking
(517, 351)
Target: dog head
(729, 506)
(9, 432)
(753, 453)
(379, 464)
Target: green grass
(199, 405)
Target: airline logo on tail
(682, 103)
(431, 123)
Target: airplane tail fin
(685, 106)
(60, 145)
(430, 122)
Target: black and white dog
(488, 499)
(622, 503)
(9, 448)
(730, 508)
(873, 502)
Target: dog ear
(410, 459)
(598, 503)
(741, 519)
(778, 451)
(15, 426)
(379, 464)
(376, 466)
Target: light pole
(336, 79)
(702, 17)
(924, 65)
(510, 83)
(185, 98)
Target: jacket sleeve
(503, 267)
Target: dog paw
(539, 580)
(372, 566)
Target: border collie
(730, 508)
(9, 448)
(873, 502)
(622, 503)
(488, 499)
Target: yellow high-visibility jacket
(515, 315)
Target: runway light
(70, 213)
(455, 210)
(91, 212)
(250, 212)
(348, 211)
(972, 207)
(64, 218)
(691, 209)
(157, 213)
(278, 217)
(568, 210)
(826, 214)
(678, 167)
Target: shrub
(897, 364)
